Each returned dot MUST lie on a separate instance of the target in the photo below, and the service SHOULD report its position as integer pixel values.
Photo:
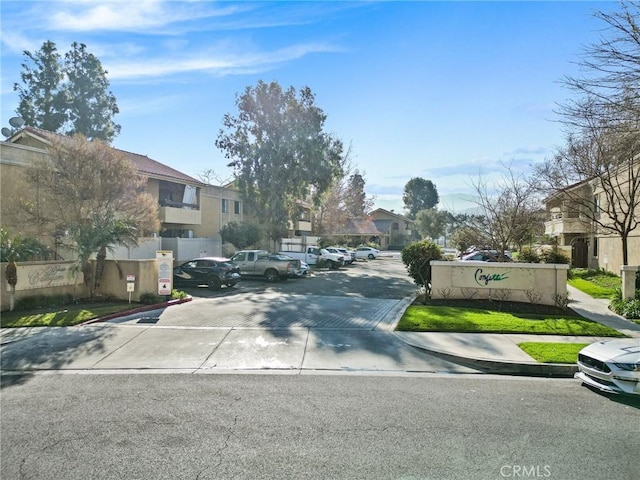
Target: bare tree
(508, 207)
(610, 72)
(597, 171)
(599, 177)
(94, 193)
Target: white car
(367, 252)
(346, 254)
(611, 365)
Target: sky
(449, 91)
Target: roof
(145, 165)
(360, 227)
(388, 212)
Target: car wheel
(272, 275)
(214, 283)
(371, 256)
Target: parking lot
(359, 296)
(384, 278)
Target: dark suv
(211, 271)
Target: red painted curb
(133, 311)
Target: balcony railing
(559, 226)
(183, 216)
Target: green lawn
(593, 289)
(433, 318)
(62, 316)
(553, 352)
(597, 283)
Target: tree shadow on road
(52, 348)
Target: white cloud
(139, 16)
(211, 62)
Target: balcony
(179, 215)
(300, 225)
(563, 226)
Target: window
(236, 207)
(595, 246)
(225, 205)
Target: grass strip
(593, 289)
(62, 316)
(553, 352)
(422, 318)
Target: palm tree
(98, 235)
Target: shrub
(178, 294)
(627, 308)
(150, 298)
(555, 257)
(528, 255)
(417, 258)
(40, 301)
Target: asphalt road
(385, 277)
(247, 426)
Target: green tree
(22, 248)
(417, 258)
(42, 102)
(344, 200)
(90, 104)
(67, 95)
(419, 194)
(241, 235)
(93, 192)
(431, 223)
(279, 152)
(356, 201)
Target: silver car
(611, 365)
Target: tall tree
(69, 95)
(357, 202)
(419, 194)
(431, 223)
(609, 79)
(42, 102)
(602, 151)
(90, 104)
(345, 199)
(279, 152)
(93, 192)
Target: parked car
(486, 256)
(304, 269)
(346, 257)
(211, 271)
(272, 266)
(611, 366)
(347, 252)
(367, 252)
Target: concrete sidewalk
(132, 342)
(499, 353)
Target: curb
(556, 370)
(133, 311)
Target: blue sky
(448, 91)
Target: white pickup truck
(314, 255)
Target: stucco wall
(114, 280)
(610, 252)
(506, 281)
(56, 278)
(42, 278)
